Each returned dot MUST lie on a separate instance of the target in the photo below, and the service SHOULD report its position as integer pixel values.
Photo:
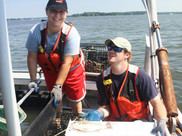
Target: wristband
(58, 86)
(34, 80)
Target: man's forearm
(64, 70)
(32, 65)
(63, 73)
(159, 108)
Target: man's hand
(57, 93)
(34, 84)
(162, 128)
(93, 115)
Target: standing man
(125, 90)
(55, 46)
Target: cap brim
(57, 7)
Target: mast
(6, 78)
(161, 73)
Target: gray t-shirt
(34, 40)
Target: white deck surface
(137, 128)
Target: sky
(36, 8)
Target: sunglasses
(115, 48)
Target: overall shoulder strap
(65, 31)
(133, 92)
(43, 25)
(107, 82)
(62, 41)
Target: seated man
(124, 90)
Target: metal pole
(154, 18)
(6, 78)
(147, 6)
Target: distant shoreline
(118, 13)
(87, 14)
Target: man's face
(115, 56)
(56, 16)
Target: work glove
(34, 84)
(57, 93)
(162, 128)
(93, 115)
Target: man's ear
(127, 54)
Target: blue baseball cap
(57, 4)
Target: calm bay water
(98, 29)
